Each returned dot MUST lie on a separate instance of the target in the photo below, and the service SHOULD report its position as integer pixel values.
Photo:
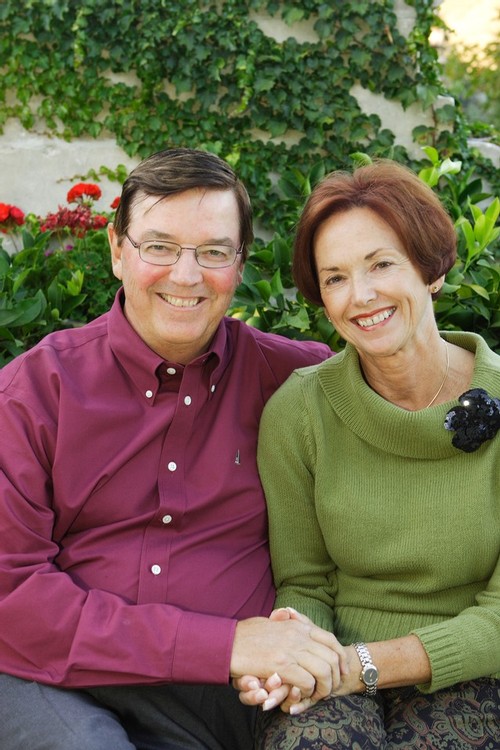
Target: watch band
(369, 672)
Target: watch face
(370, 675)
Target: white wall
(36, 170)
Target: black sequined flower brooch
(475, 421)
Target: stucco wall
(36, 170)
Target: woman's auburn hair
(399, 197)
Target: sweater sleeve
(465, 647)
(304, 574)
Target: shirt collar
(141, 363)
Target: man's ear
(116, 252)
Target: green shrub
(470, 299)
(58, 280)
(44, 289)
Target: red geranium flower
(78, 220)
(116, 202)
(99, 222)
(4, 212)
(17, 215)
(10, 217)
(76, 193)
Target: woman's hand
(273, 692)
(269, 694)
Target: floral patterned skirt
(458, 718)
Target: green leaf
(25, 311)
(292, 15)
(264, 288)
(299, 320)
(480, 290)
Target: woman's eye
(331, 280)
(383, 264)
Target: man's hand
(292, 651)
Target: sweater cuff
(444, 656)
(203, 648)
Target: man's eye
(161, 248)
(215, 252)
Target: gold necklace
(445, 375)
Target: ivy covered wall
(153, 73)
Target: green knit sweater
(379, 527)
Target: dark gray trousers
(170, 717)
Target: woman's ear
(435, 287)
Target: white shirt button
(155, 570)
(149, 394)
(187, 400)
(171, 370)
(167, 519)
(172, 466)
(212, 388)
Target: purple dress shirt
(132, 520)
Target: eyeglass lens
(168, 253)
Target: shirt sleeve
(58, 632)
(304, 573)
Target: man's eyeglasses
(166, 253)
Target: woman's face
(375, 297)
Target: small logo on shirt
(237, 458)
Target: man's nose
(186, 270)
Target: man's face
(176, 309)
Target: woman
(382, 474)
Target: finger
(328, 639)
(295, 674)
(294, 696)
(254, 697)
(276, 697)
(280, 614)
(301, 706)
(321, 636)
(325, 674)
(273, 682)
(295, 615)
(247, 682)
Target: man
(135, 578)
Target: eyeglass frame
(137, 245)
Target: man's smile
(180, 301)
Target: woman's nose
(362, 290)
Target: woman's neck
(415, 379)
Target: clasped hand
(286, 660)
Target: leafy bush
(207, 75)
(470, 299)
(59, 281)
(473, 77)
(44, 289)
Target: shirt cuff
(203, 648)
